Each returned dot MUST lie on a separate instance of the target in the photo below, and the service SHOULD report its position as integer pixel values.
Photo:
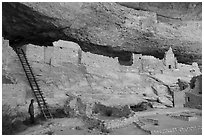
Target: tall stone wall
(63, 55)
(137, 62)
(170, 61)
(48, 53)
(8, 54)
(57, 55)
(193, 100)
(151, 64)
(65, 51)
(5, 44)
(179, 99)
(99, 64)
(198, 86)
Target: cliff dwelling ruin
(129, 69)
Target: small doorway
(169, 66)
(188, 99)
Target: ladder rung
(33, 82)
(45, 110)
(40, 99)
(38, 96)
(43, 107)
(30, 76)
(37, 92)
(43, 103)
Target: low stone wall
(176, 130)
(153, 121)
(141, 125)
(121, 122)
(184, 117)
(117, 111)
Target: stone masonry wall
(62, 52)
(8, 54)
(65, 51)
(121, 122)
(151, 64)
(99, 64)
(195, 101)
(62, 55)
(48, 53)
(5, 44)
(179, 99)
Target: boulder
(158, 105)
(165, 101)
(160, 90)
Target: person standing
(31, 111)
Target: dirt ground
(72, 126)
(76, 126)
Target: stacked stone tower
(170, 61)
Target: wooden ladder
(33, 84)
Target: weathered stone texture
(103, 28)
(14, 94)
(34, 53)
(48, 54)
(99, 64)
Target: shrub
(11, 118)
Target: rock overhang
(101, 28)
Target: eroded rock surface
(107, 28)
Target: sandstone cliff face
(104, 28)
(170, 10)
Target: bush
(11, 118)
